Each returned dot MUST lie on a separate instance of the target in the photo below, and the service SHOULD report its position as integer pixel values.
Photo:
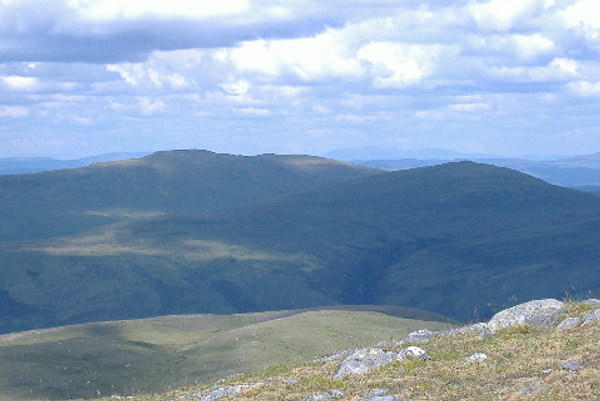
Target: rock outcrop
(541, 313)
(544, 313)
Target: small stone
(547, 371)
(378, 392)
(413, 352)
(332, 395)
(533, 388)
(477, 357)
(571, 365)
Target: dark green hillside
(460, 239)
(189, 181)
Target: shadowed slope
(188, 181)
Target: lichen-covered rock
(568, 323)
(591, 318)
(592, 302)
(363, 360)
(541, 313)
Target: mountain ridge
(450, 238)
(62, 202)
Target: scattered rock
(571, 366)
(215, 394)
(541, 313)
(423, 336)
(363, 360)
(380, 395)
(592, 302)
(477, 357)
(333, 357)
(413, 352)
(533, 387)
(332, 395)
(568, 323)
(592, 317)
(420, 336)
(377, 393)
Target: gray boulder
(541, 313)
(568, 323)
(363, 360)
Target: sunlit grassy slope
(66, 201)
(142, 356)
(461, 239)
(523, 364)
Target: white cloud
(559, 69)
(19, 83)
(14, 111)
(396, 65)
(114, 10)
(253, 111)
(151, 106)
(585, 88)
(470, 107)
(502, 15)
(345, 69)
(585, 16)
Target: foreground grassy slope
(66, 201)
(461, 239)
(523, 365)
(142, 356)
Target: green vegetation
(61, 202)
(462, 239)
(150, 355)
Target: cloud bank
(299, 76)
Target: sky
(501, 77)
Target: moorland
(231, 239)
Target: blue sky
(505, 77)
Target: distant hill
(26, 165)
(580, 172)
(461, 239)
(66, 201)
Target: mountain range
(580, 172)
(199, 232)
